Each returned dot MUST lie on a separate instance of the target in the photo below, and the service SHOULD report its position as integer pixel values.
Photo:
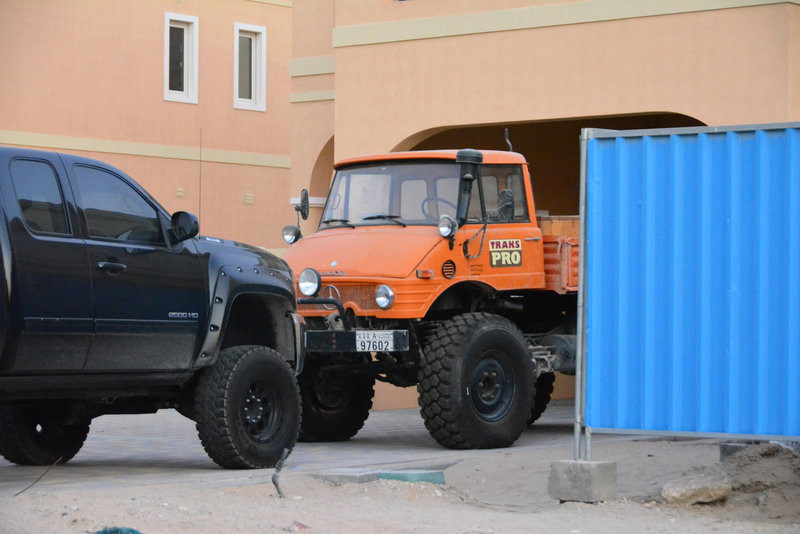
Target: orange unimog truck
(431, 269)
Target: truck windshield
(396, 193)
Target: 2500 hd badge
(183, 315)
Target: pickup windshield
(396, 193)
(418, 193)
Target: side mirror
(302, 208)
(183, 226)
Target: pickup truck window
(114, 210)
(39, 196)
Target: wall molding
(131, 148)
(311, 96)
(312, 66)
(314, 202)
(281, 3)
(528, 18)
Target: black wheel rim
(331, 392)
(260, 412)
(44, 430)
(492, 386)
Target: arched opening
(321, 173)
(551, 147)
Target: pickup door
(47, 266)
(150, 297)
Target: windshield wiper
(393, 218)
(345, 222)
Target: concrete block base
(583, 481)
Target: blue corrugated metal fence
(692, 280)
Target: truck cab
(410, 242)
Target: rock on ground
(703, 485)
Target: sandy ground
(501, 491)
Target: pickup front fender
(275, 288)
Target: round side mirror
(302, 208)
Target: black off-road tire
(336, 403)
(544, 388)
(476, 382)
(37, 435)
(247, 407)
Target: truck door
(511, 254)
(149, 297)
(49, 279)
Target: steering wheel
(435, 199)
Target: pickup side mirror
(183, 226)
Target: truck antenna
(508, 141)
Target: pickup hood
(227, 252)
(379, 251)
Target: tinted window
(246, 66)
(114, 210)
(39, 196)
(176, 58)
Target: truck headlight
(291, 233)
(447, 226)
(384, 297)
(309, 282)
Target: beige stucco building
(154, 87)
(229, 108)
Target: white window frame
(259, 67)
(190, 53)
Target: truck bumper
(352, 340)
(356, 340)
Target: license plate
(374, 340)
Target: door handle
(112, 267)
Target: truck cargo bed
(560, 235)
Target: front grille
(361, 295)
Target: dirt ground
(501, 492)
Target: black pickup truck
(111, 305)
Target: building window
(180, 58)
(250, 67)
